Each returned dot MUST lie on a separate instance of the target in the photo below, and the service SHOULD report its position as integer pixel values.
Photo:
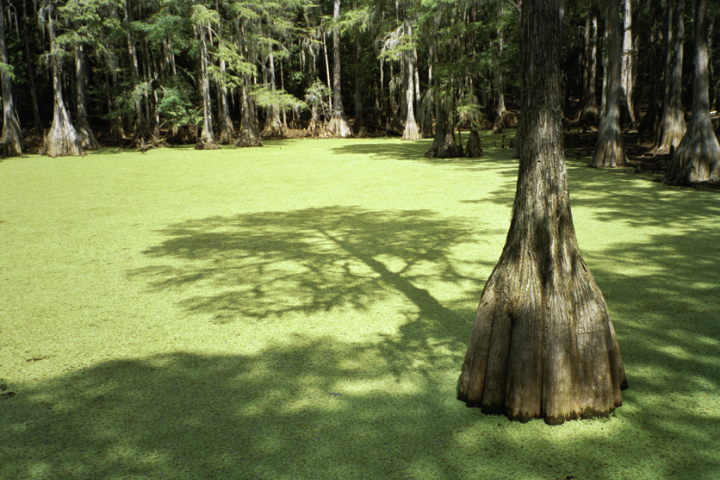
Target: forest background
(145, 73)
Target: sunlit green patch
(301, 311)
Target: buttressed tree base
(542, 345)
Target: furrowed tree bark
(338, 125)
(697, 158)
(82, 125)
(610, 149)
(589, 113)
(542, 345)
(672, 127)
(61, 139)
(249, 127)
(11, 133)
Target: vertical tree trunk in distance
(499, 125)
(610, 150)
(11, 134)
(225, 123)
(671, 127)
(542, 345)
(207, 138)
(31, 72)
(82, 125)
(697, 158)
(628, 61)
(62, 139)
(249, 128)
(589, 112)
(273, 125)
(358, 122)
(338, 125)
(411, 131)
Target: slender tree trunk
(411, 130)
(589, 113)
(142, 129)
(671, 128)
(82, 125)
(628, 61)
(62, 139)
(207, 138)
(444, 141)
(500, 110)
(338, 125)
(610, 150)
(358, 123)
(31, 72)
(697, 158)
(11, 134)
(542, 345)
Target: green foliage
(175, 104)
(279, 99)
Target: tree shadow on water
(264, 266)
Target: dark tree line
(150, 72)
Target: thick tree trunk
(11, 139)
(542, 345)
(207, 138)
(249, 127)
(671, 128)
(697, 158)
(82, 125)
(474, 146)
(589, 113)
(37, 121)
(411, 131)
(273, 125)
(610, 150)
(338, 125)
(62, 139)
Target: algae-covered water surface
(301, 311)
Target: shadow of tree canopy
(263, 266)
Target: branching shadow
(263, 266)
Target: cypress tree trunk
(273, 125)
(207, 138)
(62, 139)
(11, 134)
(411, 130)
(671, 128)
(589, 113)
(358, 123)
(500, 110)
(697, 158)
(542, 345)
(628, 61)
(249, 127)
(31, 72)
(142, 128)
(610, 150)
(338, 124)
(444, 141)
(82, 125)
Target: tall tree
(589, 110)
(671, 128)
(37, 121)
(697, 158)
(627, 74)
(62, 138)
(542, 345)
(610, 150)
(202, 17)
(11, 134)
(338, 125)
